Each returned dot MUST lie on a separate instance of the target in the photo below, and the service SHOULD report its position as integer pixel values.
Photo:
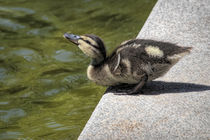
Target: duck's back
(136, 58)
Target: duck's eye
(87, 41)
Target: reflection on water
(6, 23)
(64, 56)
(7, 115)
(44, 91)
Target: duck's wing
(135, 57)
(139, 56)
(152, 51)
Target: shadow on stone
(160, 87)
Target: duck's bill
(71, 37)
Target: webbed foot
(135, 92)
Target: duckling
(135, 61)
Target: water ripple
(7, 23)
(10, 135)
(15, 10)
(7, 115)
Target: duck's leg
(121, 89)
(127, 89)
(138, 87)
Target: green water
(44, 91)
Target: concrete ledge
(176, 106)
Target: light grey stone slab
(176, 106)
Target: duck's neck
(96, 61)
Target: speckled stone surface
(176, 106)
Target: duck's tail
(187, 49)
(183, 51)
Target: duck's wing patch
(154, 51)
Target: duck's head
(91, 45)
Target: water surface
(44, 91)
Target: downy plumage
(133, 62)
